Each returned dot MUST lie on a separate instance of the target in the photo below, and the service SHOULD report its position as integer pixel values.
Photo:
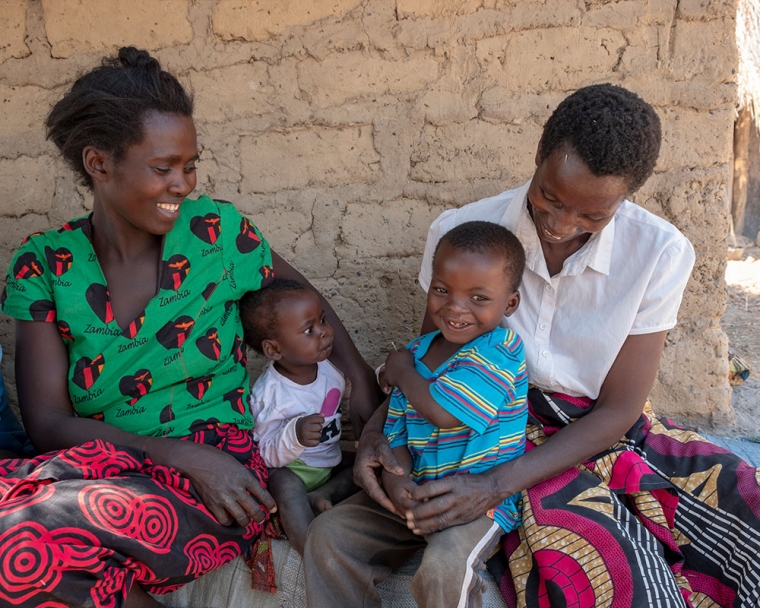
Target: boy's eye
(308, 330)
(480, 298)
(190, 169)
(439, 290)
(161, 170)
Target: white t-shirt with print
(277, 403)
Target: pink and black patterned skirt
(664, 518)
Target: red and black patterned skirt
(79, 527)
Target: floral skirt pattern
(663, 518)
(80, 526)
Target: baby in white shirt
(296, 403)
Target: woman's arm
(226, 487)
(460, 499)
(365, 393)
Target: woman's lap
(80, 526)
(663, 517)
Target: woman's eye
(190, 169)
(480, 298)
(161, 170)
(439, 290)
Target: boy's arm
(399, 371)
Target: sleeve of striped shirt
(395, 423)
(481, 379)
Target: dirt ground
(741, 322)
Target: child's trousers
(357, 544)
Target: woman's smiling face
(567, 201)
(154, 177)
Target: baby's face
(469, 293)
(305, 337)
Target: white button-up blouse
(627, 279)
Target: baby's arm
(399, 371)
(276, 434)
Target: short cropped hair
(487, 237)
(258, 311)
(106, 107)
(614, 131)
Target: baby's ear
(512, 303)
(271, 350)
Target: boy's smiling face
(469, 293)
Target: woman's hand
(372, 456)
(451, 501)
(228, 490)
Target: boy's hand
(309, 430)
(399, 489)
(396, 363)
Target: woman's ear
(271, 349)
(512, 303)
(96, 163)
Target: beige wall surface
(343, 127)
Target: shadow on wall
(752, 210)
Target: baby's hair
(106, 107)
(258, 311)
(482, 237)
(613, 130)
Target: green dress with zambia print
(182, 360)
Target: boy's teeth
(168, 207)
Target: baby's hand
(397, 361)
(309, 429)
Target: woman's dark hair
(488, 237)
(106, 106)
(258, 311)
(613, 130)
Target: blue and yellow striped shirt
(484, 385)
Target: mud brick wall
(343, 127)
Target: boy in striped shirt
(459, 402)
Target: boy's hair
(613, 130)
(106, 107)
(258, 311)
(482, 237)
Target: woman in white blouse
(619, 508)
